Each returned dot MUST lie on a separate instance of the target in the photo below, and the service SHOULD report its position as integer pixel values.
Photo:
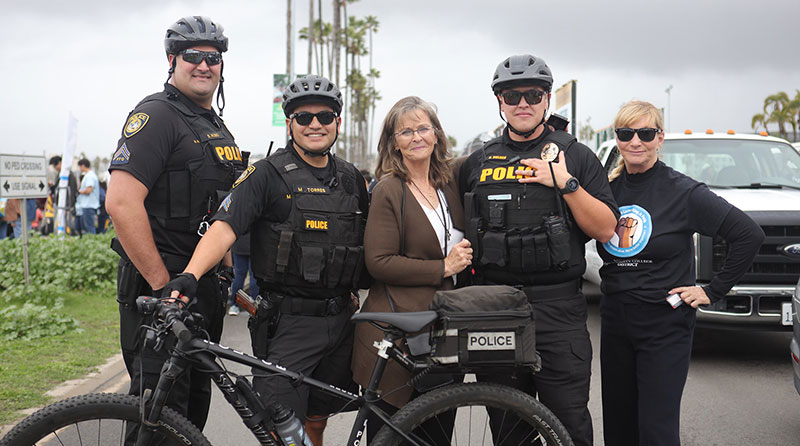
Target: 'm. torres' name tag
(491, 340)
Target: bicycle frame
(244, 399)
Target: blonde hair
(626, 116)
(390, 160)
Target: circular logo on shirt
(633, 232)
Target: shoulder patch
(244, 175)
(121, 156)
(135, 123)
(226, 203)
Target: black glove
(226, 275)
(184, 283)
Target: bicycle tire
(79, 421)
(540, 426)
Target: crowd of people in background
(84, 205)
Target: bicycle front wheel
(458, 414)
(99, 419)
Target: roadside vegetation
(783, 111)
(61, 325)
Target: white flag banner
(66, 165)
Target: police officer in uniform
(532, 198)
(305, 210)
(174, 160)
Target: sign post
(23, 177)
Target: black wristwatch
(571, 186)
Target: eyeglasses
(532, 97)
(646, 134)
(423, 132)
(197, 57)
(305, 118)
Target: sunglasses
(646, 134)
(197, 57)
(305, 118)
(532, 97)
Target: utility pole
(289, 41)
(668, 91)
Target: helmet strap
(220, 92)
(308, 152)
(172, 68)
(512, 129)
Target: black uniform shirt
(661, 210)
(262, 195)
(582, 163)
(155, 140)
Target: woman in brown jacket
(414, 240)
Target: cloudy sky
(97, 59)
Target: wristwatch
(571, 186)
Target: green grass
(28, 369)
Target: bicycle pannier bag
(484, 326)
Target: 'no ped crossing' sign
(23, 176)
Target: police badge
(550, 152)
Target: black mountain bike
(105, 419)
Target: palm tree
(759, 120)
(779, 113)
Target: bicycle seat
(408, 322)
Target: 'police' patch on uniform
(311, 189)
(316, 223)
(497, 157)
(226, 203)
(135, 123)
(121, 156)
(244, 175)
(502, 173)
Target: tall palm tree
(775, 107)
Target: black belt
(552, 292)
(314, 307)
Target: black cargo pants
(562, 385)
(191, 394)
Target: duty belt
(314, 307)
(541, 293)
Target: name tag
(504, 340)
(501, 197)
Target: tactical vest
(320, 245)
(518, 233)
(185, 199)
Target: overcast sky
(97, 59)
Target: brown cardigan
(411, 278)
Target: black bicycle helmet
(194, 30)
(311, 89)
(521, 70)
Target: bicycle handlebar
(168, 311)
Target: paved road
(739, 391)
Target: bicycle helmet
(194, 30)
(521, 70)
(311, 89)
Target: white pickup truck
(761, 176)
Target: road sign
(23, 176)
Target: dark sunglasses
(305, 118)
(646, 134)
(532, 97)
(196, 57)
